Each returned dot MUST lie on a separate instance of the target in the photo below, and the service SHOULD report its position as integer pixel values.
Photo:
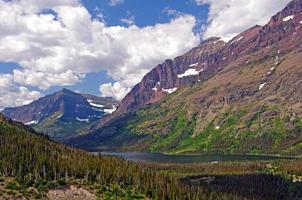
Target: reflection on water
(167, 158)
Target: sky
(105, 47)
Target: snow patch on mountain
(240, 38)
(237, 40)
(97, 109)
(59, 116)
(193, 65)
(109, 111)
(170, 90)
(261, 86)
(94, 104)
(291, 17)
(189, 72)
(82, 120)
(34, 122)
(155, 87)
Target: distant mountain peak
(65, 90)
(55, 112)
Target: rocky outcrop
(166, 78)
(70, 193)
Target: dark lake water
(167, 158)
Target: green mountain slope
(227, 113)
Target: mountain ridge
(167, 73)
(238, 106)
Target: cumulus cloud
(45, 80)
(58, 42)
(12, 95)
(227, 18)
(115, 90)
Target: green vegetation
(36, 162)
(248, 129)
(226, 113)
(179, 127)
(57, 129)
(37, 165)
(264, 130)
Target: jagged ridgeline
(33, 159)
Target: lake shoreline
(190, 158)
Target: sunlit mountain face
(165, 99)
(44, 48)
(241, 96)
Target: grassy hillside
(58, 129)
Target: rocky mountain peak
(293, 7)
(292, 10)
(66, 91)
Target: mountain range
(240, 96)
(243, 96)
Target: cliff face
(168, 77)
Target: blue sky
(146, 12)
(105, 47)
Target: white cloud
(115, 2)
(12, 95)
(171, 12)
(115, 90)
(58, 42)
(129, 21)
(227, 18)
(45, 80)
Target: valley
(222, 121)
